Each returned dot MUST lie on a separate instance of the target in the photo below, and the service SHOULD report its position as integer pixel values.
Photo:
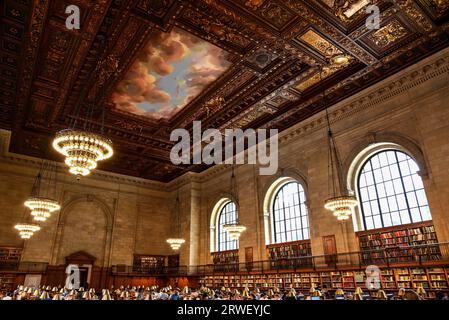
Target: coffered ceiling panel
(157, 65)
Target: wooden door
(330, 250)
(249, 258)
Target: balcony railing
(25, 266)
(389, 256)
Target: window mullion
(403, 187)
(377, 195)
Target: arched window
(390, 191)
(289, 214)
(227, 215)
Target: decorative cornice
(414, 76)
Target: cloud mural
(171, 70)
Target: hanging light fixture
(25, 227)
(175, 243)
(26, 230)
(340, 203)
(84, 148)
(41, 201)
(234, 230)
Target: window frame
(403, 192)
(220, 231)
(276, 237)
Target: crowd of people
(204, 293)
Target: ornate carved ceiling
(271, 51)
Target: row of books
(225, 257)
(391, 278)
(287, 251)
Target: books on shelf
(225, 257)
(430, 278)
(7, 281)
(397, 244)
(148, 262)
(9, 258)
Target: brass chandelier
(340, 203)
(26, 230)
(234, 230)
(41, 201)
(82, 147)
(175, 243)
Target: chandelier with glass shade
(26, 230)
(83, 146)
(341, 203)
(42, 201)
(82, 149)
(234, 230)
(175, 243)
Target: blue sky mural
(172, 69)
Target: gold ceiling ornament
(175, 243)
(347, 9)
(319, 43)
(388, 34)
(441, 5)
(339, 60)
(213, 104)
(341, 203)
(41, 201)
(254, 4)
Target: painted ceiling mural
(172, 69)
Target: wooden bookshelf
(9, 258)
(283, 255)
(399, 244)
(148, 262)
(431, 278)
(7, 281)
(225, 257)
